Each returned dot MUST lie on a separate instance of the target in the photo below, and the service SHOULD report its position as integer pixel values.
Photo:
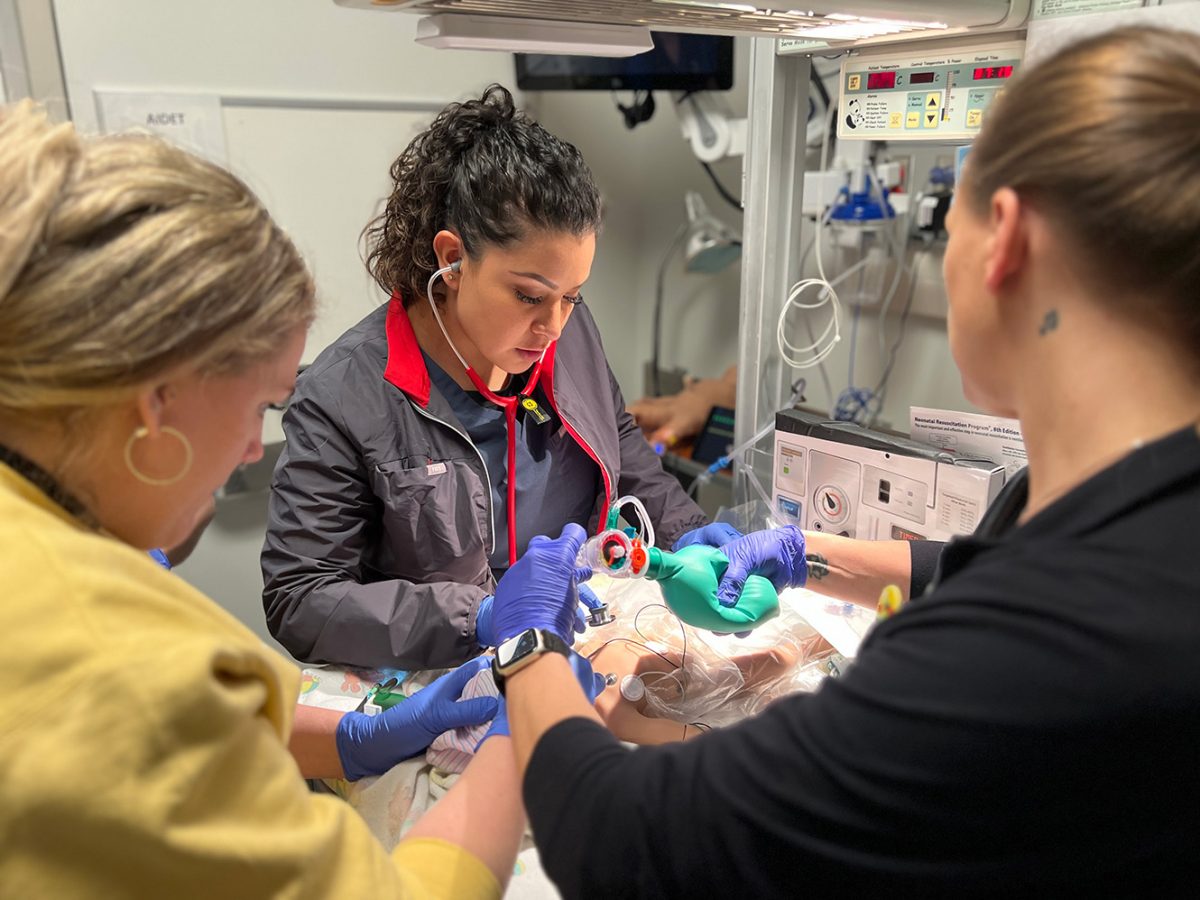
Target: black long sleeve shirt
(923, 556)
(1032, 723)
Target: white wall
(267, 48)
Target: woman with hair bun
(150, 311)
(1027, 726)
(474, 410)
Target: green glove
(689, 579)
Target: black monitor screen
(678, 62)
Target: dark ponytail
(486, 171)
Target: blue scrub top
(557, 482)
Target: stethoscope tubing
(507, 404)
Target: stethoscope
(508, 404)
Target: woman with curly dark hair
(473, 411)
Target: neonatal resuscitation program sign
(967, 434)
(1045, 9)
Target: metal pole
(775, 149)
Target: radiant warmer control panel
(940, 94)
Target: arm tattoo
(818, 566)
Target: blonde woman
(1028, 727)
(150, 310)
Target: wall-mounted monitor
(678, 62)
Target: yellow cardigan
(143, 741)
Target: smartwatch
(520, 650)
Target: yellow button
(894, 120)
(931, 119)
(853, 82)
(974, 118)
(933, 100)
(913, 120)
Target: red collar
(406, 366)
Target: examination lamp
(711, 244)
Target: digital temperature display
(879, 80)
(920, 78)
(983, 74)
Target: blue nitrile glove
(486, 635)
(591, 682)
(715, 534)
(539, 590)
(370, 745)
(777, 555)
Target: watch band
(547, 642)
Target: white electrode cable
(824, 344)
(898, 252)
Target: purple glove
(716, 534)
(370, 745)
(539, 591)
(591, 682)
(485, 633)
(777, 555)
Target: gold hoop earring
(141, 476)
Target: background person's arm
(668, 420)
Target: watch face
(516, 647)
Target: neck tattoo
(1049, 323)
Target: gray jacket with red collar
(380, 518)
